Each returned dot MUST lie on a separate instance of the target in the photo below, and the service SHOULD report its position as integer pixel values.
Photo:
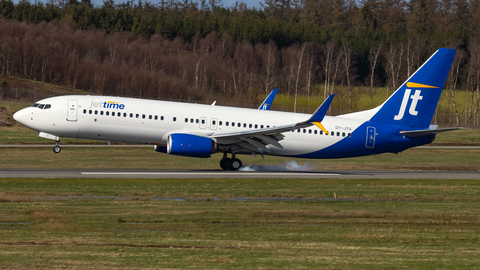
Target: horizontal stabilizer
(426, 132)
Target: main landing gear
(232, 164)
(57, 148)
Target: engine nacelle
(160, 148)
(189, 145)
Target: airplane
(266, 104)
(196, 130)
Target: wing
(256, 140)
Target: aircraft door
(370, 137)
(72, 110)
(203, 122)
(213, 124)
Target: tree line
(200, 49)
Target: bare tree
(269, 65)
(327, 60)
(297, 67)
(373, 58)
(347, 63)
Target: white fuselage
(150, 122)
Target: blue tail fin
(414, 103)
(267, 103)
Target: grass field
(236, 223)
(373, 224)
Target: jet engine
(189, 145)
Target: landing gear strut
(232, 164)
(57, 148)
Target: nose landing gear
(57, 148)
(232, 164)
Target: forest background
(202, 50)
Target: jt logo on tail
(413, 106)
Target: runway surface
(182, 174)
(151, 146)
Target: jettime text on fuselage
(107, 105)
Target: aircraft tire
(235, 164)
(57, 149)
(224, 163)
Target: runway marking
(211, 173)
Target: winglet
(265, 106)
(319, 114)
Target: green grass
(401, 224)
(147, 158)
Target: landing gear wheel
(224, 163)
(235, 164)
(57, 149)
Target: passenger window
(256, 126)
(197, 121)
(84, 111)
(244, 125)
(333, 133)
(143, 116)
(131, 115)
(191, 120)
(214, 122)
(268, 126)
(186, 120)
(203, 121)
(47, 106)
(113, 113)
(101, 112)
(119, 114)
(304, 131)
(349, 134)
(315, 132)
(174, 119)
(261, 126)
(89, 112)
(156, 117)
(124, 114)
(338, 133)
(226, 123)
(309, 131)
(137, 115)
(233, 124)
(150, 117)
(239, 125)
(321, 132)
(220, 123)
(298, 130)
(161, 118)
(96, 112)
(250, 125)
(107, 113)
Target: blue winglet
(319, 114)
(265, 106)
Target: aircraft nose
(21, 116)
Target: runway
(186, 174)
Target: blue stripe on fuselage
(387, 139)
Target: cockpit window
(35, 105)
(47, 106)
(41, 106)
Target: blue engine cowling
(190, 145)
